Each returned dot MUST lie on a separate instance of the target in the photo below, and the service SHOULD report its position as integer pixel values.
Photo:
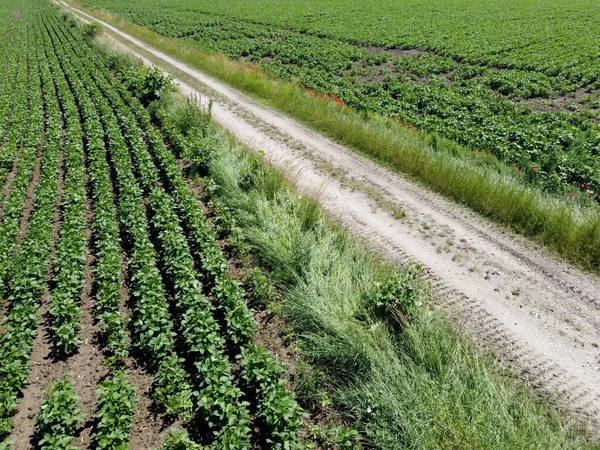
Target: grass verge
(405, 385)
(482, 183)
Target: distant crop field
(517, 79)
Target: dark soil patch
(568, 103)
(396, 52)
(149, 430)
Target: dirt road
(541, 316)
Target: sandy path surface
(540, 315)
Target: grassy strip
(405, 386)
(487, 187)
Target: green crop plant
(59, 416)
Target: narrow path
(539, 314)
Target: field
(519, 81)
(85, 157)
(163, 287)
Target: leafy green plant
(179, 440)
(400, 296)
(260, 288)
(172, 388)
(277, 406)
(91, 30)
(114, 413)
(59, 415)
(335, 437)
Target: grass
(421, 386)
(484, 184)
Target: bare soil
(538, 313)
(568, 103)
(396, 52)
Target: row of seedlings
(153, 329)
(33, 260)
(116, 396)
(12, 64)
(14, 60)
(262, 372)
(71, 251)
(59, 416)
(26, 133)
(105, 230)
(152, 325)
(219, 401)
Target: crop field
(161, 286)
(516, 79)
(92, 201)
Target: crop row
(11, 64)
(32, 261)
(107, 270)
(179, 266)
(151, 321)
(59, 416)
(24, 134)
(13, 59)
(71, 249)
(117, 401)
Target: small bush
(91, 30)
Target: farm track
(539, 314)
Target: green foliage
(71, 248)
(277, 406)
(59, 416)
(400, 296)
(260, 288)
(310, 385)
(179, 440)
(114, 413)
(172, 389)
(91, 30)
(148, 85)
(29, 266)
(335, 437)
